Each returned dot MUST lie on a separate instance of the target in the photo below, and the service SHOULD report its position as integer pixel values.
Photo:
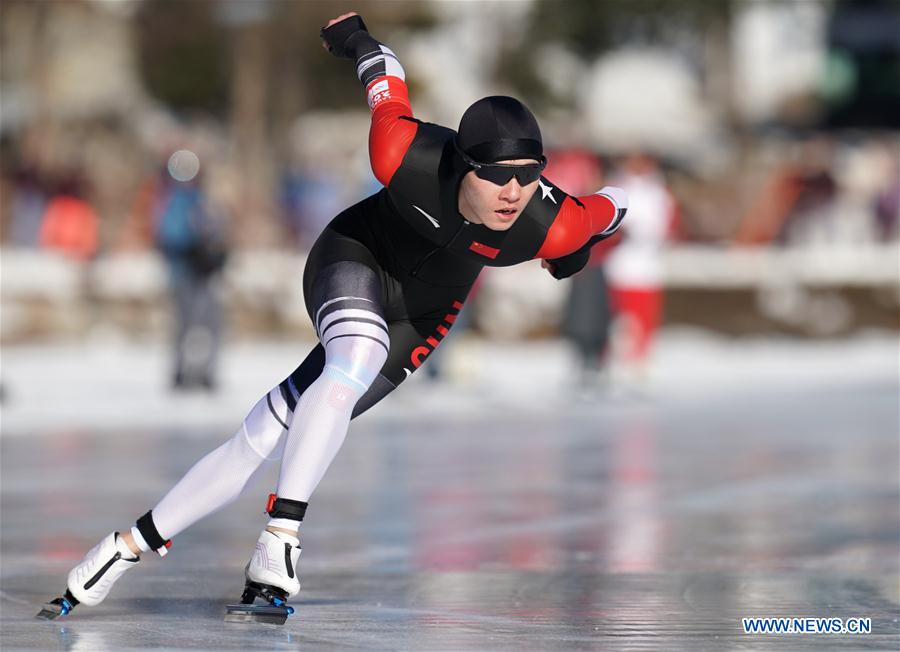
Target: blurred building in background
(776, 125)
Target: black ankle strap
(147, 528)
(286, 508)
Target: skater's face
(497, 207)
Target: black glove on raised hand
(342, 38)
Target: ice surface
(749, 478)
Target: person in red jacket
(382, 285)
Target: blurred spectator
(27, 207)
(70, 223)
(588, 316)
(887, 207)
(309, 201)
(588, 313)
(797, 199)
(634, 266)
(192, 239)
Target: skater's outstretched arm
(380, 72)
(581, 223)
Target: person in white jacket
(635, 267)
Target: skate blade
(249, 613)
(50, 611)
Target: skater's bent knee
(357, 350)
(360, 365)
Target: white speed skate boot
(271, 574)
(91, 580)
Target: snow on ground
(105, 385)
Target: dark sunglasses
(501, 174)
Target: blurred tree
(861, 86)
(260, 64)
(183, 54)
(588, 28)
(186, 48)
(307, 76)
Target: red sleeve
(389, 136)
(574, 224)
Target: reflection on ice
(617, 525)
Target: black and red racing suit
(420, 255)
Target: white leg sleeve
(356, 347)
(219, 478)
